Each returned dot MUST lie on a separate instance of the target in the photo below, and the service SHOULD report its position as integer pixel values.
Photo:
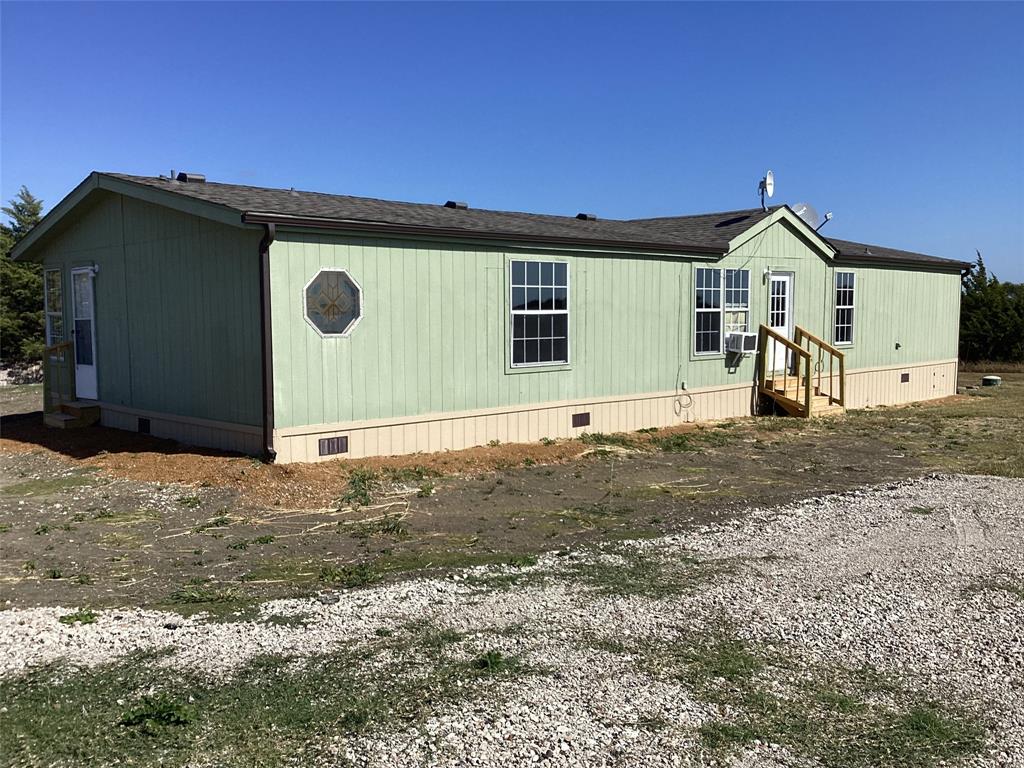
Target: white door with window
(84, 328)
(780, 319)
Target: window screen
(843, 332)
(539, 312)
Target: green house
(307, 326)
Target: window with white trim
(737, 301)
(843, 331)
(721, 307)
(53, 300)
(539, 312)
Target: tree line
(991, 317)
(991, 312)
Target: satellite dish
(766, 187)
(807, 212)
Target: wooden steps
(816, 383)
(72, 415)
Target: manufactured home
(304, 326)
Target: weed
(647, 431)
(190, 502)
(83, 578)
(426, 489)
(54, 573)
(42, 529)
(546, 441)
(674, 443)
(29, 566)
(154, 713)
(599, 438)
(528, 462)
(220, 521)
(494, 443)
(265, 539)
(5, 527)
(357, 575)
(493, 662)
(241, 544)
(84, 616)
(361, 484)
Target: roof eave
(314, 222)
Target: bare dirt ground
(104, 517)
(880, 627)
(677, 597)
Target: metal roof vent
(191, 178)
(586, 217)
(459, 204)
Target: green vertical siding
(433, 337)
(177, 307)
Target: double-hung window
(53, 298)
(539, 315)
(843, 331)
(722, 306)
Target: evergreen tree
(991, 317)
(21, 285)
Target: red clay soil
(132, 456)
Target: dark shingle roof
(851, 250)
(702, 233)
(470, 221)
(708, 228)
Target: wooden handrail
(791, 345)
(803, 332)
(808, 375)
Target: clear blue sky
(906, 120)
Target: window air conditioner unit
(741, 343)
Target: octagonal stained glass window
(333, 302)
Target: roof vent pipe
(586, 217)
(460, 205)
(191, 178)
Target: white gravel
(909, 578)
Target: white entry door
(780, 319)
(85, 332)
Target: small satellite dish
(806, 212)
(766, 187)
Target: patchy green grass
(357, 575)
(48, 487)
(836, 716)
(190, 502)
(202, 593)
(599, 438)
(273, 711)
(678, 442)
(631, 572)
(83, 616)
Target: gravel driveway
(821, 633)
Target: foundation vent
(581, 419)
(143, 427)
(904, 378)
(332, 445)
